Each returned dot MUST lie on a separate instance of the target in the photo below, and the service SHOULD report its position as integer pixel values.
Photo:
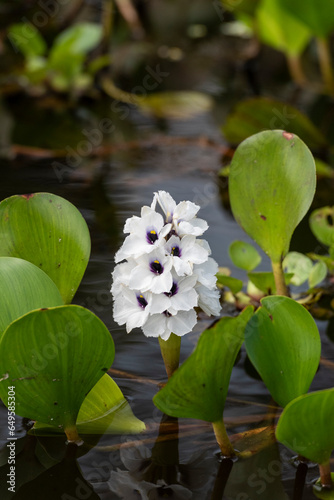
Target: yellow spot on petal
(153, 232)
(156, 262)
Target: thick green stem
(170, 350)
(325, 475)
(72, 435)
(222, 438)
(281, 288)
(325, 63)
(296, 70)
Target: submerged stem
(170, 351)
(325, 475)
(223, 439)
(281, 288)
(325, 63)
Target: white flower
(185, 252)
(167, 271)
(182, 216)
(208, 300)
(206, 273)
(146, 234)
(132, 307)
(162, 325)
(152, 272)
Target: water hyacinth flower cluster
(164, 270)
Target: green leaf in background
(323, 169)
(265, 281)
(69, 51)
(317, 15)
(233, 284)
(174, 105)
(271, 185)
(318, 273)
(244, 255)
(199, 387)
(283, 343)
(104, 411)
(244, 6)
(278, 28)
(27, 39)
(253, 115)
(54, 357)
(23, 287)
(322, 225)
(51, 233)
(306, 425)
(299, 265)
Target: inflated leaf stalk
(49, 232)
(54, 357)
(170, 351)
(198, 389)
(272, 184)
(283, 343)
(306, 426)
(24, 287)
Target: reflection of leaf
(175, 105)
(271, 186)
(259, 113)
(283, 343)
(24, 287)
(247, 478)
(62, 481)
(104, 411)
(54, 357)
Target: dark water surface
(141, 156)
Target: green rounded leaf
(265, 281)
(280, 29)
(233, 284)
(259, 113)
(271, 185)
(27, 39)
(199, 387)
(317, 15)
(299, 265)
(317, 274)
(51, 233)
(283, 343)
(322, 225)
(23, 287)
(54, 357)
(244, 255)
(104, 411)
(306, 425)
